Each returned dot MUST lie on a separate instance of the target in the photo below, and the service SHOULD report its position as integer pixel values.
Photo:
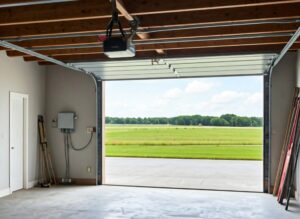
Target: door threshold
(182, 188)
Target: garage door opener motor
(119, 46)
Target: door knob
(12, 148)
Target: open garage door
(182, 67)
(233, 65)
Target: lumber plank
(45, 13)
(291, 143)
(173, 53)
(136, 7)
(169, 46)
(205, 32)
(254, 13)
(285, 142)
(87, 9)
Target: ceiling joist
(69, 30)
(91, 9)
(246, 49)
(170, 46)
(265, 13)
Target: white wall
(68, 90)
(29, 78)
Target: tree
(223, 120)
(219, 122)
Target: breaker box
(65, 120)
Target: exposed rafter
(69, 29)
(21, 3)
(89, 9)
(96, 48)
(246, 49)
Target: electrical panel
(65, 120)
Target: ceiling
(68, 30)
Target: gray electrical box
(65, 120)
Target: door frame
(25, 134)
(100, 142)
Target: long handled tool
(286, 141)
(286, 167)
(293, 173)
(47, 172)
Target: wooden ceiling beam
(175, 53)
(89, 9)
(206, 32)
(121, 8)
(228, 31)
(70, 41)
(254, 13)
(5, 2)
(54, 28)
(263, 13)
(147, 7)
(67, 11)
(183, 47)
(169, 46)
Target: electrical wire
(68, 152)
(67, 173)
(69, 137)
(67, 144)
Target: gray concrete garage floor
(113, 202)
(233, 175)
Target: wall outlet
(89, 169)
(54, 123)
(90, 129)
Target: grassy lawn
(184, 142)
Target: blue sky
(171, 97)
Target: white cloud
(255, 98)
(172, 93)
(241, 96)
(227, 97)
(240, 103)
(197, 86)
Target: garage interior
(53, 61)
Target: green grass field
(184, 142)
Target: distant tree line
(198, 120)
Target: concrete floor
(233, 175)
(112, 202)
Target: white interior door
(17, 111)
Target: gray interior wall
(71, 91)
(283, 84)
(28, 78)
(67, 90)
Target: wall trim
(79, 181)
(4, 192)
(31, 184)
